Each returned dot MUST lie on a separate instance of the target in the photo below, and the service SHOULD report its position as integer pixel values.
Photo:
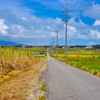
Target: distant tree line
(62, 46)
(96, 46)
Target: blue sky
(33, 22)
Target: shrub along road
(68, 83)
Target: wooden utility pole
(65, 11)
(57, 43)
(53, 45)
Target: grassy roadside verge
(39, 92)
(85, 60)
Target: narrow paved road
(68, 83)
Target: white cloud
(95, 34)
(53, 34)
(23, 18)
(93, 12)
(72, 28)
(81, 36)
(17, 31)
(74, 33)
(97, 22)
(3, 27)
(48, 27)
(31, 27)
(38, 28)
(58, 21)
(44, 28)
(91, 43)
(78, 30)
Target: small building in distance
(89, 47)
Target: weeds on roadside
(88, 60)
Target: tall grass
(19, 71)
(11, 59)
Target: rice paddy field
(85, 59)
(19, 70)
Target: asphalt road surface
(67, 83)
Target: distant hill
(9, 43)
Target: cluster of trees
(96, 46)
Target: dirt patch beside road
(39, 92)
(19, 86)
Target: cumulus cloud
(3, 27)
(42, 29)
(72, 28)
(97, 22)
(95, 34)
(53, 34)
(32, 29)
(91, 43)
(36, 27)
(93, 11)
(78, 29)
(16, 31)
(74, 33)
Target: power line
(70, 3)
(75, 4)
(74, 7)
(84, 8)
(82, 3)
(85, 5)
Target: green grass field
(88, 60)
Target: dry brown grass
(20, 83)
(15, 59)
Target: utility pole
(57, 43)
(65, 11)
(53, 43)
